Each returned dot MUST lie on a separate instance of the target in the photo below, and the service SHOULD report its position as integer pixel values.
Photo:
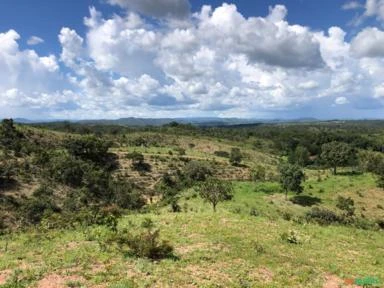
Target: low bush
(292, 237)
(322, 216)
(223, 154)
(145, 244)
(346, 204)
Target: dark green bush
(33, 210)
(322, 216)
(145, 244)
(235, 156)
(197, 171)
(223, 154)
(346, 204)
(88, 148)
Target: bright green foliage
(215, 191)
(373, 162)
(291, 177)
(337, 154)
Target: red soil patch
(332, 281)
(4, 276)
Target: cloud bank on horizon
(161, 59)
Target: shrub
(346, 204)
(180, 151)
(259, 248)
(146, 244)
(138, 163)
(33, 210)
(286, 215)
(67, 170)
(291, 237)
(43, 191)
(175, 207)
(88, 148)
(235, 156)
(197, 171)
(125, 194)
(380, 223)
(223, 154)
(254, 212)
(322, 216)
(291, 177)
(258, 173)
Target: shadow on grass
(349, 173)
(305, 200)
(8, 185)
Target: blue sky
(83, 59)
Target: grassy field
(230, 248)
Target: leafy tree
(291, 177)
(215, 191)
(67, 170)
(337, 154)
(196, 171)
(299, 156)
(235, 157)
(125, 194)
(10, 137)
(373, 162)
(89, 148)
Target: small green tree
(89, 148)
(235, 157)
(215, 191)
(373, 162)
(196, 171)
(291, 177)
(299, 156)
(337, 154)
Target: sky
(99, 59)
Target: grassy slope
(228, 249)
(215, 250)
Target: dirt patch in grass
(59, 281)
(191, 248)
(205, 274)
(263, 275)
(333, 281)
(4, 275)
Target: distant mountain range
(198, 121)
